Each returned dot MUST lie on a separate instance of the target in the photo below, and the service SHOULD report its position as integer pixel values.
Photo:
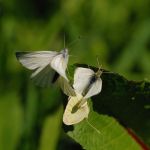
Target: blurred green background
(117, 32)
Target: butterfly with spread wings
(45, 64)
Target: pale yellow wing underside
(69, 117)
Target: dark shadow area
(126, 101)
(67, 143)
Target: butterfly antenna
(99, 66)
(108, 72)
(93, 127)
(64, 41)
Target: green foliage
(11, 121)
(120, 106)
(51, 129)
(112, 135)
(126, 101)
(117, 31)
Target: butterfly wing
(94, 88)
(40, 62)
(34, 60)
(43, 76)
(66, 87)
(59, 63)
(82, 79)
(69, 117)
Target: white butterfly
(87, 83)
(43, 63)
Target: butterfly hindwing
(43, 76)
(71, 117)
(66, 87)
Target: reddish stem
(137, 139)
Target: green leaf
(51, 130)
(122, 105)
(11, 121)
(127, 101)
(112, 135)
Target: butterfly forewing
(59, 63)
(87, 82)
(82, 79)
(33, 60)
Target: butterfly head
(98, 73)
(65, 52)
